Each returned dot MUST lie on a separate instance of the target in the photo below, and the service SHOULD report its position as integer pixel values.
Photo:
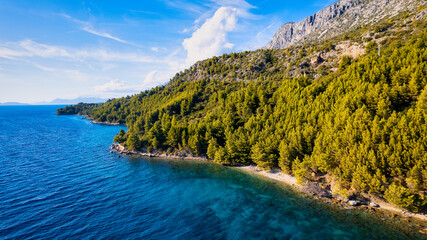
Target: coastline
(101, 123)
(105, 123)
(292, 182)
(385, 210)
(122, 150)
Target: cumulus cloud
(116, 86)
(211, 38)
(154, 78)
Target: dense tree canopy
(363, 125)
(81, 108)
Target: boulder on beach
(317, 190)
(372, 204)
(340, 198)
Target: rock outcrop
(339, 18)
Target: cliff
(339, 18)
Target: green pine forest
(356, 125)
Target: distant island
(348, 113)
(60, 101)
(13, 104)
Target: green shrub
(403, 197)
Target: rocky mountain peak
(339, 18)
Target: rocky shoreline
(101, 123)
(105, 123)
(378, 207)
(408, 222)
(313, 189)
(122, 150)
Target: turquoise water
(58, 180)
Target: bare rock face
(339, 18)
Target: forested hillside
(80, 108)
(359, 124)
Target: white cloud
(104, 55)
(241, 5)
(10, 53)
(156, 78)
(89, 28)
(184, 5)
(107, 66)
(98, 69)
(211, 28)
(151, 77)
(119, 88)
(43, 50)
(185, 30)
(90, 66)
(116, 86)
(211, 38)
(44, 68)
(29, 48)
(75, 75)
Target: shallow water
(58, 180)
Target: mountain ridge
(337, 19)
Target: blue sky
(68, 49)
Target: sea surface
(58, 180)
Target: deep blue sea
(58, 180)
